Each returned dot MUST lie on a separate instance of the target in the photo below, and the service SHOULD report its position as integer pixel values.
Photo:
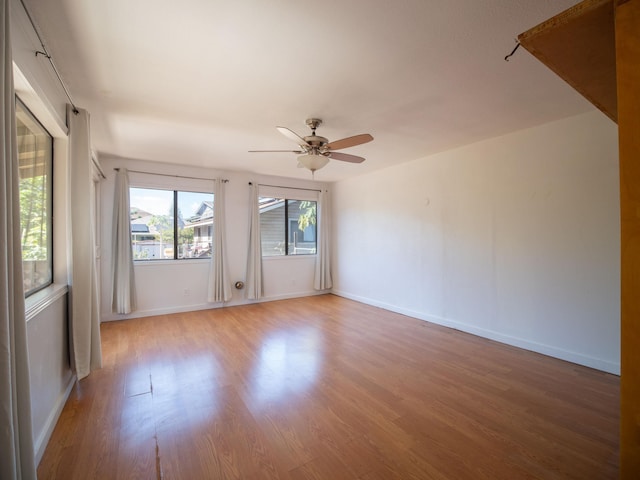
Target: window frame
(49, 194)
(287, 227)
(175, 223)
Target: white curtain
(254, 285)
(322, 280)
(124, 286)
(219, 288)
(83, 281)
(16, 438)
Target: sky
(159, 202)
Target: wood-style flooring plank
(327, 388)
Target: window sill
(186, 261)
(39, 301)
(270, 258)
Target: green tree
(33, 219)
(186, 235)
(308, 216)
(164, 226)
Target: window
(35, 161)
(170, 224)
(287, 226)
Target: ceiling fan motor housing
(315, 141)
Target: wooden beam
(579, 46)
(627, 24)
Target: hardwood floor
(327, 388)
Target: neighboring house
(143, 240)
(202, 224)
(146, 238)
(140, 233)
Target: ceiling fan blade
(345, 157)
(282, 151)
(291, 135)
(350, 141)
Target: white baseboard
(573, 357)
(311, 293)
(42, 440)
(111, 317)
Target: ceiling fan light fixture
(313, 162)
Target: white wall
(51, 378)
(514, 238)
(180, 285)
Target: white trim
(288, 258)
(290, 193)
(207, 306)
(39, 104)
(157, 181)
(287, 296)
(39, 301)
(569, 356)
(169, 261)
(113, 317)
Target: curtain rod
(48, 56)
(224, 180)
(96, 164)
(290, 188)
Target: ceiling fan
(316, 151)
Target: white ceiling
(201, 82)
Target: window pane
(272, 227)
(288, 227)
(35, 153)
(195, 224)
(151, 223)
(302, 227)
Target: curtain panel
(322, 279)
(123, 292)
(255, 289)
(83, 281)
(219, 288)
(17, 458)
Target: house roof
(205, 209)
(266, 204)
(202, 82)
(139, 228)
(204, 214)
